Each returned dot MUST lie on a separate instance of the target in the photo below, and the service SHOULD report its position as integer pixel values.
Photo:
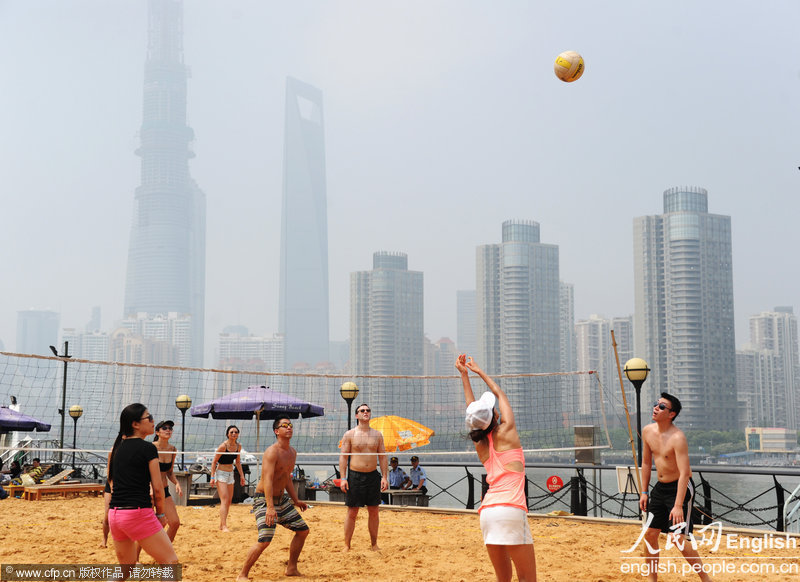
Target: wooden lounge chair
(35, 493)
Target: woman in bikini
(166, 463)
(504, 509)
(222, 472)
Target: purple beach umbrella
(11, 421)
(258, 401)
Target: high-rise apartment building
(153, 333)
(759, 388)
(684, 324)
(440, 357)
(166, 256)
(595, 351)
(776, 332)
(303, 298)
(466, 329)
(87, 345)
(566, 318)
(243, 351)
(517, 302)
(386, 317)
(37, 330)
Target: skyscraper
(684, 327)
(517, 302)
(303, 300)
(166, 256)
(386, 317)
(776, 332)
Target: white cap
(480, 412)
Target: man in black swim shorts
(362, 449)
(669, 504)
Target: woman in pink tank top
(504, 508)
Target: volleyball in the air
(569, 66)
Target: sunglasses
(169, 428)
(148, 417)
(285, 425)
(661, 406)
(363, 410)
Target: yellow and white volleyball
(569, 66)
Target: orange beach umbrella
(401, 434)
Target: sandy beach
(415, 545)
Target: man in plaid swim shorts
(275, 501)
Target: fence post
(470, 489)
(779, 526)
(577, 501)
(707, 509)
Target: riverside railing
(738, 495)
(744, 496)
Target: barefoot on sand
(434, 546)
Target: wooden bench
(35, 493)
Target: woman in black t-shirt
(132, 470)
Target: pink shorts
(133, 524)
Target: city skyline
(436, 133)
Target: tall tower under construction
(166, 256)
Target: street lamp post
(183, 402)
(62, 411)
(349, 391)
(75, 411)
(636, 370)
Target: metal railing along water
(742, 496)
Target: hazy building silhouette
(467, 331)
(95, 322)
(386, 317)
(684, 325)
(37, 330)
(166, 256)
(303, 299)
(517, 302)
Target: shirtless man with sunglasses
(669, 503)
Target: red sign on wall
(554, 483)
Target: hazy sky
(442, 120)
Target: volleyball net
(547, 407)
